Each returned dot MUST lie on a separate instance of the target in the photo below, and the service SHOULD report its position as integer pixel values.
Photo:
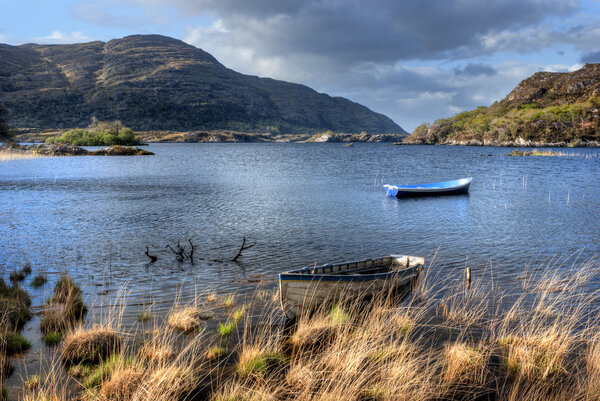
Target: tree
(5, 133)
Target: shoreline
(444, 341)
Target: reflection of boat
(453, 187)
(310, 287)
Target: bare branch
(242, 249)
(152, 257)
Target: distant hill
(153, 82)
(548, 108)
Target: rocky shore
(72, 150)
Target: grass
(239, 314)
(39, 280)
(65, 308)
(13, 343)
(90, 345)
(225, 329)
(14, 306)
(52, 338)
(228, 301)
(536, 152)
(215, 352)
(157, 352)
(422, 349)
(254, 361)
(17, 276)
(33, 382)
(186, 319)
(144, 316)
(101, 373)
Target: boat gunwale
(431, 187)
(300, 275)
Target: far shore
(227, 136)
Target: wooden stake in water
(568, 197)
(548, 197)
(375, 182)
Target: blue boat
(454, 187)
(308, 288)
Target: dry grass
(122, 384)
(12, 154)
(463, 363)
(90, 345)
(456, 343)
(186, 319)
(157, 352)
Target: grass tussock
(65, 308)
(90, 345)
(186, 319)
(39, 280)
(156, 352)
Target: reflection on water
(301, 203)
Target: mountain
(153, 82)
(546, 109)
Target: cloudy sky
(413, 60)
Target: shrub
(102, 134)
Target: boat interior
(368, 266)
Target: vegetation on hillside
(546, 108)
(504, 122)
(99, 133)
(5, 133)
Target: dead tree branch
(242, 249)
(191, 255)
(152, 257)
(179, 252)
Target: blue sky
(413, 60)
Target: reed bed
(445, 341)
(13, 154)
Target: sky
(412, 60)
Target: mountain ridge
(154, 82)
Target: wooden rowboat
(310, 287)
(454, 187)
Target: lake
(301, 203)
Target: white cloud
(59, 37)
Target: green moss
(4, 394)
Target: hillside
(153, 82)
(546, 109)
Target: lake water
(301, 203)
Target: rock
(117, 150)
